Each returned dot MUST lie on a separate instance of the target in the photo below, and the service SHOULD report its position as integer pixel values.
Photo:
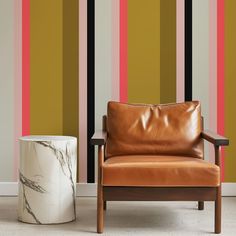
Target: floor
(126, 218)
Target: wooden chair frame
(199, 194)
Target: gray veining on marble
(34, 186)
(64, 158)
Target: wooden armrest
(99, 138)
(214, 138)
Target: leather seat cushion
(165, 171)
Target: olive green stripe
(144, 51)
(230, 85)
(46, 67)
(168, 51)
(70, 67)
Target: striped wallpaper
(62, 60)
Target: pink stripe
(115, 50)
(17, 83)
(25, 67)
(212, 71)
(82, 91)
(123, 50)
(180, 50)
(220, 74)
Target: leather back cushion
(172, 129)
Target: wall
(42, 96)
(62, 60)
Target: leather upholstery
(172, 129)
(164, 171)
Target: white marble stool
(47, 179)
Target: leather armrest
(214, 138)
(99, 138)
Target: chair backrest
(140, 129)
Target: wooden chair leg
(218, 211)
(200, 205)
(100, 214)
(104, 205)
(100, 200)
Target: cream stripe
(201, 58)
(103, 60)
(212, 70)
(7, 100)
(18, 83)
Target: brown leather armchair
(155, 152)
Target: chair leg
(218, 211)
(200, 205)
(104, 205)
(100, 214)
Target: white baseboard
(229, 189)
(82, 189)
(8, 188)
(86, 190)
(90, 190)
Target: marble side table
(47, 179)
